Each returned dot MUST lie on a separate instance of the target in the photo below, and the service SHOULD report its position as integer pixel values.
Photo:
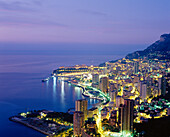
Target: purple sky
(119, 22)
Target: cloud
(16, 21)
(96, 13)
(38, 2)
(22, 6)
(15, 6)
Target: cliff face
(160, 49)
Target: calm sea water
(21, 88)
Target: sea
(22, 89)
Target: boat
(44, 80)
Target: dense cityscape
(92, 68)
(130, 92)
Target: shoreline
(84, 90)
(17, 120)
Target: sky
(116, 24)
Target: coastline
(87, 95)
(17, 120)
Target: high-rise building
(95, 78)
(119, 101)
(81, 105)
(163, 86)
(143, 90)
(120, 117)
(136, 67)
(112, 86)
(104, 84)
(128, 115)
(159, 85)
(78, 122)
(105, 71)
(149, 83)
(125, 118)
(113, 95)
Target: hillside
(160, 50)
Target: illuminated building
(149, 83)
(119, 100)
(113, 118)
(121, 84)
(95, 78)
(125, 118)
(137, 101)
(128, 115)
(104, 71)
(112, 86)
(78, 122)
(163, 86)
(71, 69)
(120, 117)
(136, 67)
(95, 81)
(137, 86)
(81, 105)
(113, 95)
(143, 90)
(159, 85)
(104, 84)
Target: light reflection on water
(91, 101)
(47, 83)
(54, 89)
(54, 94)
(77, 90)
(23, 89)
(62, 93)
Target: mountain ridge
(160, 50)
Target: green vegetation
(107, 127)
(64, 117)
